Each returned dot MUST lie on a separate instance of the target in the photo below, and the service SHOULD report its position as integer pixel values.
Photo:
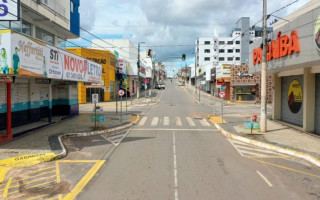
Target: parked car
(181, 83)
(160, 86)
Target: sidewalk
(280, 137)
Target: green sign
(251, 125)
(100, 118)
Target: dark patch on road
(51, 191)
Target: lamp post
(263, 118)
(138, 64)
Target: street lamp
(138, 64)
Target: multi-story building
(123, 49)
(222, 53)
(37, 79)
(51, 21)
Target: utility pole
(195, 69)
(138, 64)
(263, 115)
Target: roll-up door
(292, 99)
(317, 112)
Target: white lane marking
(143, 121)
(235, 147)
(243, 148)
(175, 167)
(172, 129)
(190, 122)
(265, 179)
(166, 121)
(154, 121)
(178, 121)
(252, 153)
(204, 122)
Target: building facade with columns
(293, 57)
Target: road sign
(95, 98)
(98, 118)
(222, 94)
(121, 92)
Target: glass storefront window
(15, 25)
(44, 36)
(246, 93)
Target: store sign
(23, 56)
(42, 81)
(295, 96)
(9, 10)
(241, 74)
(5, 79)
(220, 81)
(283, 46)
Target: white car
(160, 86)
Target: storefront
(106, 89)
(38, 81)
(246, 86)
(293, 57)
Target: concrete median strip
(285, 151)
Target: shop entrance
(95, 90)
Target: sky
(171, 27)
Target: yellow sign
(295, 96)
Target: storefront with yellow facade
(106, 89)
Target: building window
(237, 42)
(230, 50)
(206, 58)
(26, 28)
(230, 58)
(206, 42)
(221, 58)
(237, 50)
(207, 50)
(221, 50)
(44, 36)
(221, 42)
(61, 43)
(230, 42)
(237, 58)
(250, 42)
(72, 6)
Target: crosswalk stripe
(204, 122)
(178, 121)
(143, 121)
(154, 121)
(190, 122)
(166, 121)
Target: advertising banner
(223, 71)
(22, 56)
(28, 56)
(5, 52)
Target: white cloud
(172, 22)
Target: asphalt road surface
(175, 153)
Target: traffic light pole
(138, 63)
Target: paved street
(172, 153)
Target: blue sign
(100, 118)
(9, 10)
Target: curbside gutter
(33, 159)
(282, 150)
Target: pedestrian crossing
(173, 121)
(250, 151)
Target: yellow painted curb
(285, 151)
(134, 119)
(23, 161)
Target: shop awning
(242, 84)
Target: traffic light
(183, 57)
(149, 52)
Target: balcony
(53, 6)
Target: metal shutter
(317, 112)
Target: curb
(63, 153)
(33, 159)
(288, 152)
